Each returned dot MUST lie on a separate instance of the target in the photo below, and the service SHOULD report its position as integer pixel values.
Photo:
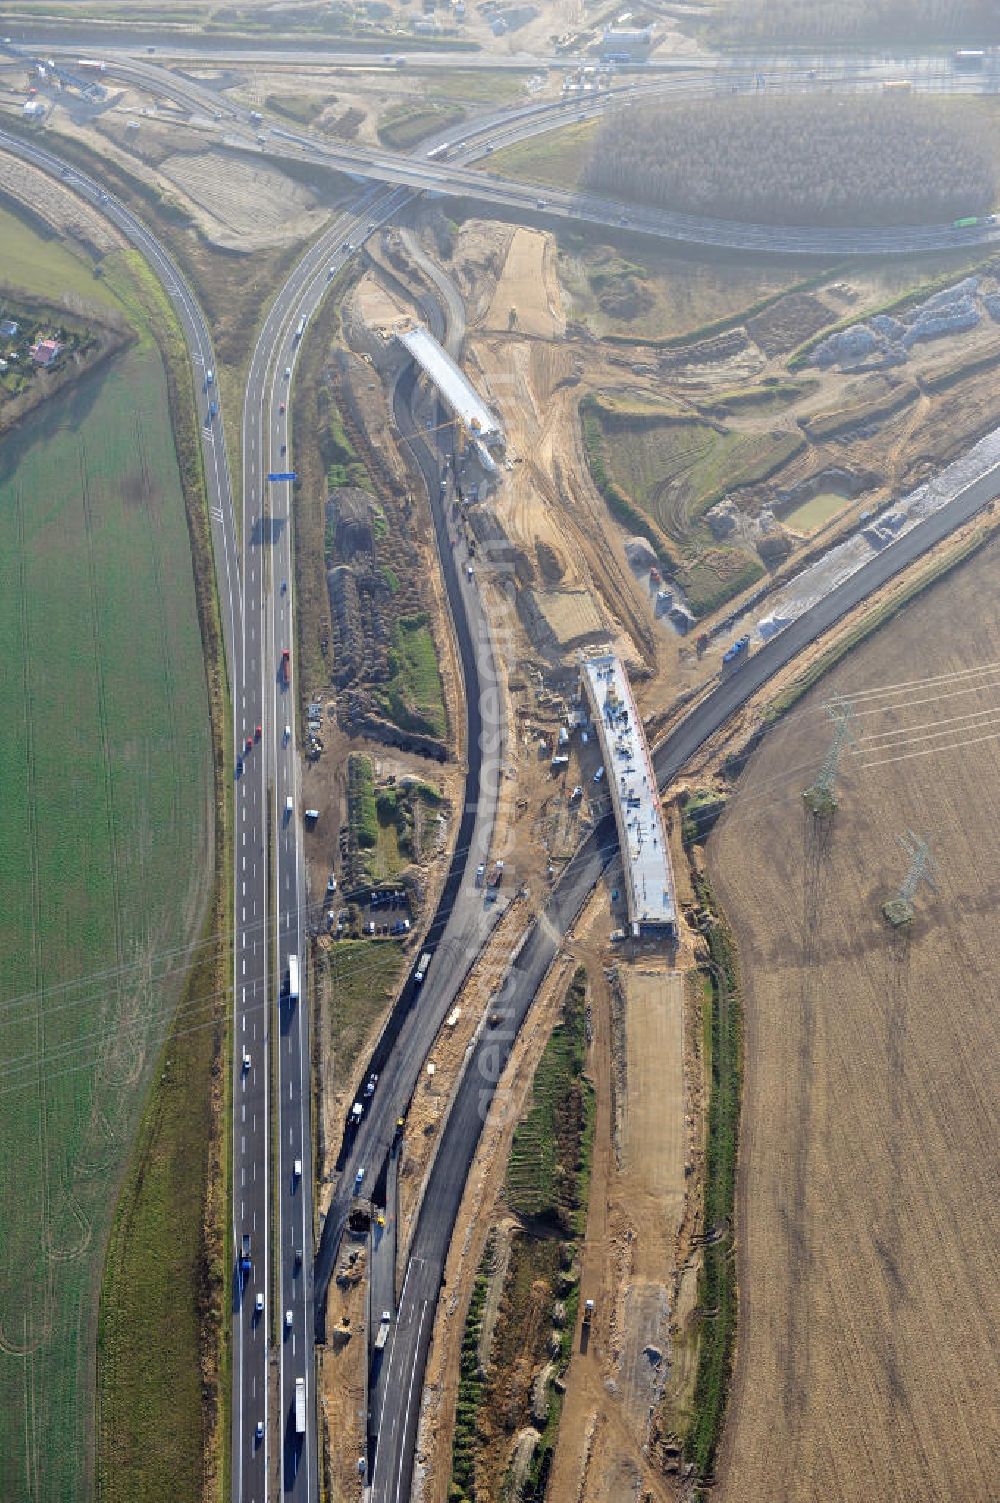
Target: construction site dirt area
(868, 1212)
(527, 295)
(654, 1144)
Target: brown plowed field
(868, 1363)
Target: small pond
(814, 513)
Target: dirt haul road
(868, 1199)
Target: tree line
(874, 160)
(959, 22)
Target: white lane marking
(409, 1397)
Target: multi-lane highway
(256, 579)
(272, 883)
(682, 79)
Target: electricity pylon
(899, 910)
(821, 798)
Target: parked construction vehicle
(737, 651)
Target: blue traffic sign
(283, 475)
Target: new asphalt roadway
(256, 630)
(407, 1351)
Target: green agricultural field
(105, 766)
(49, 269)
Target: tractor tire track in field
(887, 1240)
(30, 1342)
(160, 596)
(116, 989)
(817, 839)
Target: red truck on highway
(286, 668)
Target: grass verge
(362, 815)
(413, 120)
(359, 978)
(717, 1290)
(162, 1353)
(557, 158)
(413, 698)
(512, 1385)
(471, 1388)
(825, 424)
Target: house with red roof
(45, 351)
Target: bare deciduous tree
(829, 160)
(959, 22)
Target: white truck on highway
(300, 327)
(293, 978)
(383, 1330)
(422, 965)
(300, 1406)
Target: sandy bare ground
(547, 496)
(655, 1140)
(528, 288)
(379, 308)
(868, 1200)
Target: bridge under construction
(453, 387)
(635, 796)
